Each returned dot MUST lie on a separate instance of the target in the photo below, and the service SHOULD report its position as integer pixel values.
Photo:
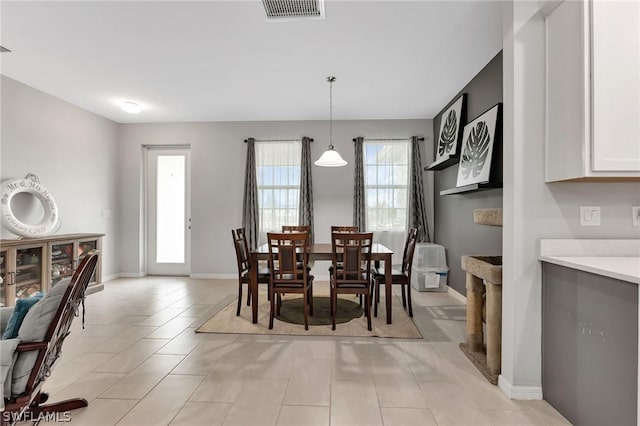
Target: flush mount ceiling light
(130, 107)
(330, 158)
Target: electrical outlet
(590, 215)
(635, 214)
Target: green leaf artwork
(448, 135)
(475, 151)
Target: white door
(168, 210)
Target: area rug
(351, 323)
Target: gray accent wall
(454, 227)
(73, 152)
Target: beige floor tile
(463, 415)
(137, 383)
(100, 412)
(309, 383)
(162, 404)
(202, 414)
(542, 413)
(161, 317)
(64, 375)
(219, 387)
(132, 357)
(258, 404)
(407, 417)
(75, 347)
(124, 340)
(171, 328)
(299, 415)
(354, 403)
(399, 391)
(447, 396)
(88, 387)
(202, 359)
(510, 418)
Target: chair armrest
(31, 346)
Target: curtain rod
(278, 140)
(389, 139)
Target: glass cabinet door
(62, 261)
(84, 248)
(29, 266)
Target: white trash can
(429, 270)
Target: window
(386, 182)
(278, 175)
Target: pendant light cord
(331, 79)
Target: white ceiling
(221, 61)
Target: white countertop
(618, 259)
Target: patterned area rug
(352, 321)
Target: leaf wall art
(449, 136)
(478, 140)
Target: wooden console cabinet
(35, 264)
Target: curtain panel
(250, 210)
(305, 210)
(359, 206)
(418, 213)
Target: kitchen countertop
(618, 259)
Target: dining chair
(352, 251)
(400, 277)
(244, 266)
(348, 228)
(296, 228)
(288, 252)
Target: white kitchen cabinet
(593, 91)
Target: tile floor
(139, 362)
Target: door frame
(146, 205)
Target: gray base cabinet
(589, 346)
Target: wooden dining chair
(244, 266)
(288, 252)
(400, 277)
(348, 228)
(353, 252)
(296, 228)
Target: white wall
(217, 162)
(534, 209)
(74, 153)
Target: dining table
(319, 251)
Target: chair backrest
(352, 251)
(288, 257)
(409, 247)
(296, 228)
(242, 250)
(51, 347)
(344, 229)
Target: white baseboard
(131, 274)
(453, 292)
(519, 392)
(213, 276)
(111, 277)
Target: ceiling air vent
(4, 49)
(293, 9)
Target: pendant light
(330, 158)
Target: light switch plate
(590, 215)
(635, 214)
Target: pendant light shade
(330, 158)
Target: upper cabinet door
(615, 73)
(593, 91)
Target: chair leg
(271, 311)
(334, 298)
(404, 299)
(311, 300)
(240, 299)
(376, 291)
(248, 294)
(368, 310)
(409, 300)
(279, 303)
(305, 302)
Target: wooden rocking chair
(27, 405)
